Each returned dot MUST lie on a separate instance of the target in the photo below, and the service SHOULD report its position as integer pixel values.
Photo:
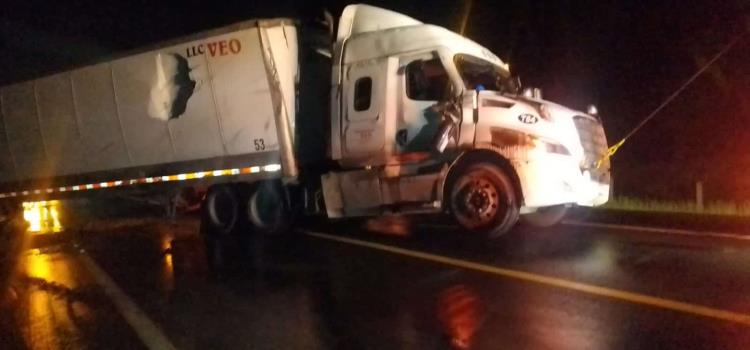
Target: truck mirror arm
(451, 112)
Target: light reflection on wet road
(53, 314)
(301, 292)
(52, 303)
(42, 217)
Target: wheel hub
(481, 200)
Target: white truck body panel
(357, 19)
(197, 99)
(373, 32)
(231, 94)
(552, 154)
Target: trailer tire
(268, 208)
(483, 201)
(545, 216)
(221, 209)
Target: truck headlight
(551, 147)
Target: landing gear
(483, 201)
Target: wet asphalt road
(49, 301)
(307, 292)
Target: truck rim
(477, 200)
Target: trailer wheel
(219, 226)
(546, 216)
(268, 209)
(222, 209)
(483, 200)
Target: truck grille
(594, 144)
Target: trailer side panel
(195, 102)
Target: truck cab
(425, 120)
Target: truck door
(423, 83)
(364, 92)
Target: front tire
(483, 200)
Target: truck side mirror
(444, 135)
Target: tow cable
(613, 149)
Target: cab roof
(371, 32)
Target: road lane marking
(611, 293)
(672, 231)
(148, 332)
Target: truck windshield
(479, 74)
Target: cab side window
(426, 80)
(362, 94)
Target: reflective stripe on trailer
(270, 168)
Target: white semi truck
(385, 115)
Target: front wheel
(483, 200)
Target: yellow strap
(610, 152)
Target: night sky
(625, 57)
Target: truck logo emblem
(528, 118)
(216, 48)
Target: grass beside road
(681, 207)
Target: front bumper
(557, 179)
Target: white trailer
(390, 115)
(198, 106)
